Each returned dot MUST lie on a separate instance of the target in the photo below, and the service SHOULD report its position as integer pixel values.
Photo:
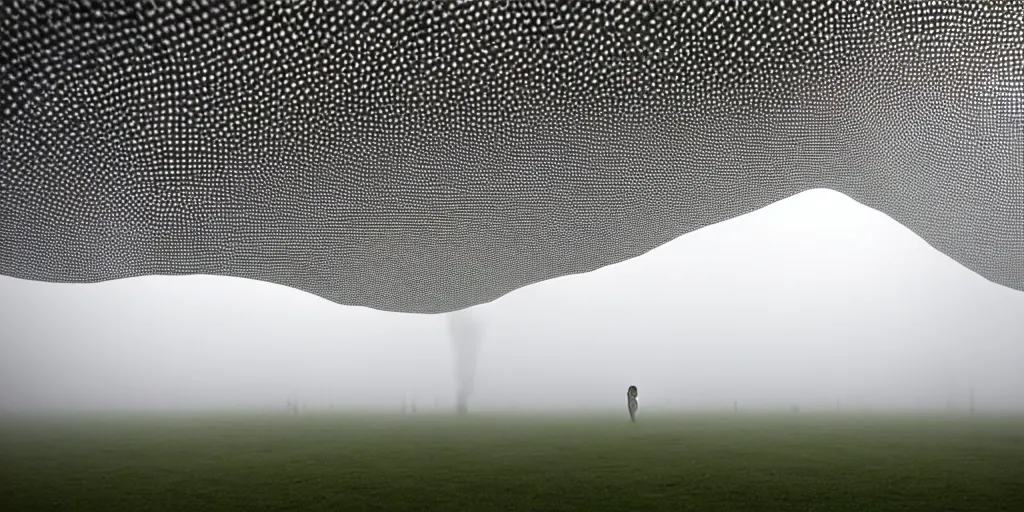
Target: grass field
(739, 462)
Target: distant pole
(465, 334)
(950, 385)
(972, 401)
(735, 406)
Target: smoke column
(465, 333)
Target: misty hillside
(812, 300)
(814, 292)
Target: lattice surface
(429, 156)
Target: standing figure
(631, 403)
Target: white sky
(808, 301)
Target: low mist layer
(815, 302)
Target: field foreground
(739, 462)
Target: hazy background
(816, 301)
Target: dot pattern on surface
(429, 156)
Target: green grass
(739, 462)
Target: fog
(815, 301)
